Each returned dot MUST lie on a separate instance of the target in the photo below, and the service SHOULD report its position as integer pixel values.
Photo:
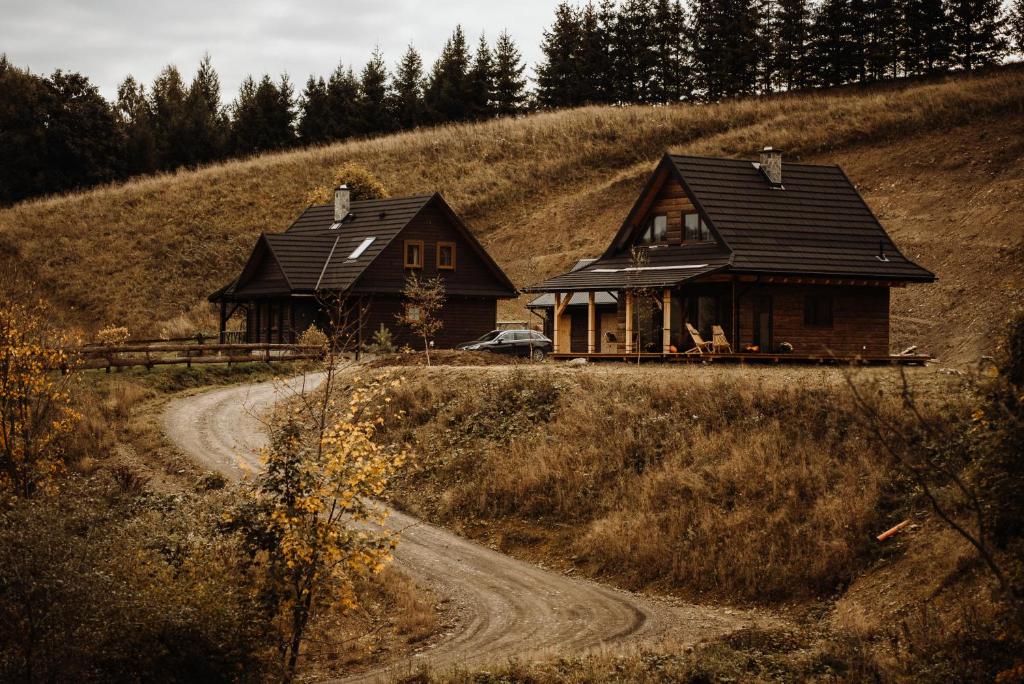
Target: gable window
(414, 253)
(412, 313)
(446, 256)
(694, 228)
(656, 230)
(818, 311)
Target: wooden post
(223, 321)
(280, 323)
(554, 322)
(629, 321)
(666, 319)
(591, 319)
(735, 318)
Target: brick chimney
(342, 203)
(771, 164)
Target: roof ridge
(752, 161)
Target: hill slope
(942, 164)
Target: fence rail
(167, 352)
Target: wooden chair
(700, 346)
(719, 342)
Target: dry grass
(144, 253)
(737, 485)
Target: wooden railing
(174, 352)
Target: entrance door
(763, 324)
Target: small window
(446, 256)
(695, 230)
(412, 312)
(656, 230)
(414, 253)
(358, 251)
(818, 311)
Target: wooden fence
(150, 353)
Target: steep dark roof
(815, 224)
(313, 256)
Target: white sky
(108, 39)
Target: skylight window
(358, 251)
(335, 226)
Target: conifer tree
(558, 71)
(593, 63)
(670, 78)
(1015, 25)
(205, 121)
(791, 27)
(343, 96)
(314, 125)
(633, 45)
(481, 82)
(447, 92)
(977, 32)
(408, 90)
(167, 103)
(264, 116)
(375, 98)
(725, 47)
(837, 54)
(509, 81)
(136, 122)
(882, 55)
(925, 36)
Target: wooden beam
(556, 315)
(221, 338)
(666, 320)
(591, 318)
(560, 308)
(629, 321)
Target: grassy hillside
(940, 162)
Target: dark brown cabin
(782, 257)
(346, 264)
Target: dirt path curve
(504, 607)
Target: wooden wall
(465, 319)
(672, 201)
(860, 322)
(471, 276)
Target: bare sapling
(424, 300)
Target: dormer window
(694, 228)
(656, 230)
(414, 253)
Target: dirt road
(504, 607)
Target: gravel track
(502, 606)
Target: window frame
(440, 266)
(703, 230)
(813, 310)
(405, 253)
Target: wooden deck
(754, 358)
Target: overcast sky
(108, 39)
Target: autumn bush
(715, 482)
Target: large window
(446, 256)
(414, 253)
(656, 230)
(694, 228)
(818, 311)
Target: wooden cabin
(780, 257)
(345, 265)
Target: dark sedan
(525, 343)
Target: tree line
(57, 133)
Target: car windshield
(487, 337)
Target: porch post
(591, 315)
(666, 320)
(223, 321)
(554, 322)
(629, 321)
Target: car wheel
(538, 354)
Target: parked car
(525, 343)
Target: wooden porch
(752, 358)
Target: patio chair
(719, 342)
(700, 346)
